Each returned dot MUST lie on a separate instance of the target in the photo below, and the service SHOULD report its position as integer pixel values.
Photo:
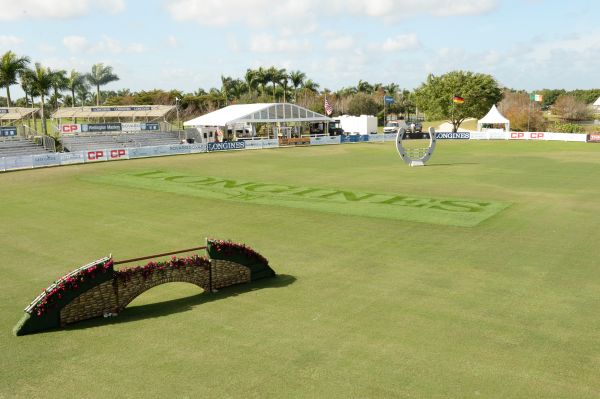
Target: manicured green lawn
(363, 307)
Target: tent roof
(493, 116)
(597, 102)
(16, 113)
(261, 112)
(117, 111)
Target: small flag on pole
(458, 100)
(328, 108)
(388, 100)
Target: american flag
(328, 108)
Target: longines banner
(453, 135)
(228, 145)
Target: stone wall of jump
(97, 289)
(114, 296)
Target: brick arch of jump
(97, 289)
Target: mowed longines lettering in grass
(456, 212)
(367, 307)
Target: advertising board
(593, 138)
(325, 140)
(226, 146)
(8, 131)
(453, 135)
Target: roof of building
(16, 113)
(260, 112)
(118, 111)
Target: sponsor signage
(325, 140)
(594, 138)
(96, 155)
(68, 158)
(388, 100)
(150, 126)
(8, 131)
(399, 206)
(527, 136)
(3, 110)
(71, 128)
(130, 126)
(45, 160)
(120, 153)
(121, 109)
(355, 138)
(452, 135)
(100, 127)
(228, 145)
(294, 141)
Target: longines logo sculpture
(415, 148)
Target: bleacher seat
(17, 146)
(118, 140)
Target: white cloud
(408, 41)
(75, 44)
(259, 13)
(338, 43)
(266, 43)
(9, 41)
(172, 41)
(55, 9)
(106, 45)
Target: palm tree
(364, 87)
(252, 80)
(297, 78)
(392, 89)
(60, 82)
(311, 86)
(41, 81)
(74, 81)
(83, 93)
(225, 86)
(11, 67)
(101, 74)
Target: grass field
(366, 305)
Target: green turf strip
(445, 211)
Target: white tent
(596, 105)
(257, 113)
(493, 117)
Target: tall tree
(101, 75)
(74, 81)
(41, 82)
(297, 79)
(11, 66)
(252, 81)
(479, 92)
(60, 82)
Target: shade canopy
(119, 111)
(597, 102)
(257, 113)
(16, 113)
(493, 117)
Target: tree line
(433, 97)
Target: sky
(189, 44)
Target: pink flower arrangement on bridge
(71, 282)
(230, 248)
(151, 267)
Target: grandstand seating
(118, 140)
(16, 146)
